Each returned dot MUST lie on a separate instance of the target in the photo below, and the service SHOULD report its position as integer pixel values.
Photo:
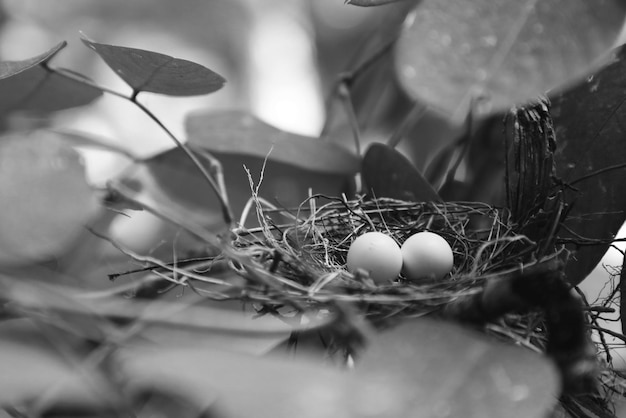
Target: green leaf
(157, 73)
(28, 85)
(387, 173)
(45, 200)
(427, 368)
(590, 121)
(509, 51)
(240, 133)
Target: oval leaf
(44, 197)
(427, 368)
(234, 385)
(157, 73)
(11, 68)
(31, 366)
(172, 183)
(370, 3)
(508, 51)
(240, 133)
(589, 121)
(28, 85)
(421, 369)
(39, 90)
(387, 173)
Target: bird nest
(303, 263)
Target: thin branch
(344, 95)
(416, 113)
(598, 172)
(215, 186)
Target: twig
(216, 186)
(344, 95)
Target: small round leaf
(507, 51)
(44, 198)
(157, 73)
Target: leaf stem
(346, 79)
(415, 115)
(344, 94)
(598, 172)
(216, 166)
(216, 186)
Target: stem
(415, 114)
(215, 164)
(344, 94)
(347, 78)
(598, 172)
(465, 145)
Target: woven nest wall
(305, 262)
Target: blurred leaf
(370, 3)
(172, 183)
(420, 369)
(188, 321)
(240, 133)
(89, 140)
(11, 68)
(45, 200)
(590, 121)
(28, 85)
(232, 385)
(26, 294)
(157, 73)
(451, 52)
(387, 173)
(427, 368)
(30, 366)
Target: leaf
(233, 385)
(294, 165)
(45, 200)
(157, 73)
(240, 133)
(91, 141)
(370, 3)
(184, 322)
(387, 173)
(30, 366)
(589, 121)
(451, 52)
(420, 369)
(28, 85)
(11, 68)
(428, 368)
(52, 298)
(171, 183)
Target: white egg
(426, 255)
(376, 253)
